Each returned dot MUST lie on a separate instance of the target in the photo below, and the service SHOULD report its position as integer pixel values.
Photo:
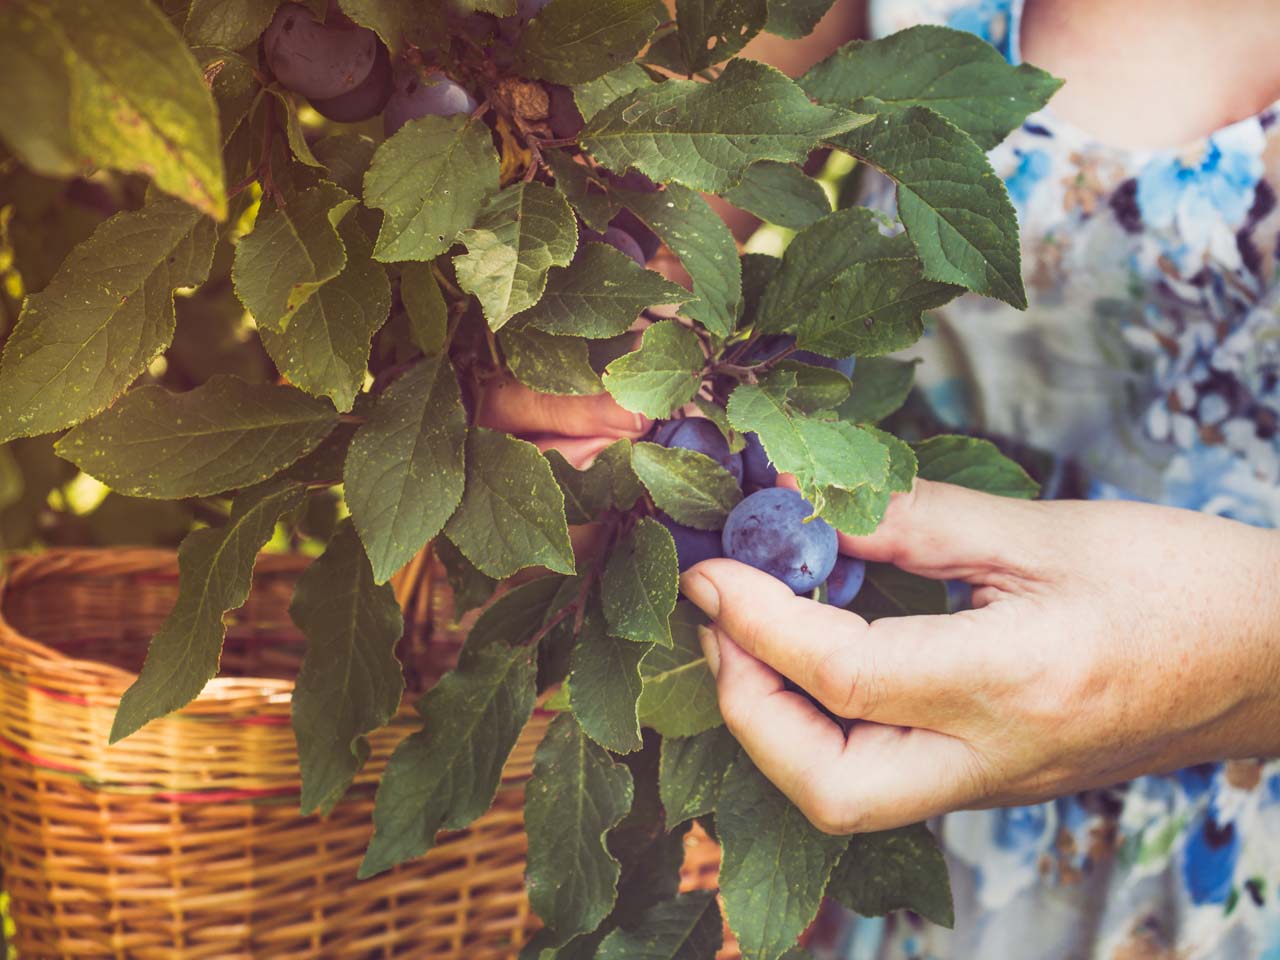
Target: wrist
(1253, 729)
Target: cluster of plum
(771, 529)
(346, 73)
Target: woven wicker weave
(184, 841)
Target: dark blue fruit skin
(365, 101)
(845, 581)
(773, 344)
(692, 546)
(758, 471)
(619, 239)
(318, 60)
(767, 531)
(564, 118)
(702, 436)
(414, 96)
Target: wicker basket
(184, 841)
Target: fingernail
(710, 641)
(702, 592)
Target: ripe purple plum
(768, 530)
(414, 96)
(692, 545)
(366, 100)
(702, 436)
(845, 581)
(620, 240)
(758, 471)
(318, 60)
(565, 119)
(773, 344)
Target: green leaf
(817, 388)
(679, 697)
(350, 682)
(577, 793)
(346, 157)
(234, 86)
(599, 295)
(845, 288)
(233, 24)
(588, 196)
(795, 18)
(604, 684)
(446, 775)
(640, 584)
(880, 387)
(775, 863)
(469, 587)
(955, 208)
(692, 770)
(758, 271)
(705, 135)
(894, 870)
(780, 193)
(573, 41)
(512, 512)
(404, 476)
(688, 486)
(821, 453)
(594, 95)
(685, 222)
(712, 31)
(903, 465)
(973, 463)
(430, 180)
(325, 348)
(890, 592)
(686, 928)
(587, 493)
(522, 233)
(627, 488)
(855, 512)
(424, 303)
(222, 435)
(106, 314)
(549, 364)
(215, 569)
(499, 8)
(662, 375)
(292, 251)
(78, 89)
(952, 72)
(287, 101)
(402, 22)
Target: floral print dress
(1150, 360)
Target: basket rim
(22, 654)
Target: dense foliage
(260, 260)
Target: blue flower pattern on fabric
(1167, 263)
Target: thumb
(947, 532)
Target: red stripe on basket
(62, 697)
(21, 754)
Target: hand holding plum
(1107, 641)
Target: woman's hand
(1108, 640)
(578, 427)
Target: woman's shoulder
(992, 20)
